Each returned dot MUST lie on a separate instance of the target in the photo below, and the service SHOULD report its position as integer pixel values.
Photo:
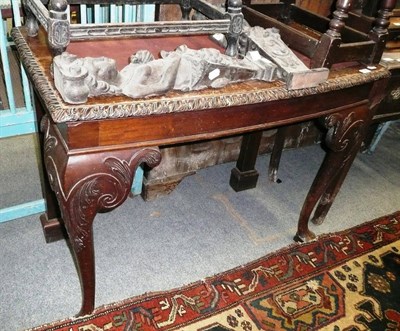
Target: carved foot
(305, 236)
(243, 180)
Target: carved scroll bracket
(343, 129)
(86, 184)
(90, 183)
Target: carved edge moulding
(62, 112)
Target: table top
(37, 59)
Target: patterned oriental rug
(347, 281)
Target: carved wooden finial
(58, 27)
(340, 15)
(234, 12)
(31, 23)
(58, 5)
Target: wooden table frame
(91, 152)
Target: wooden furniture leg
(276, 153)
(244, 176)
(52, 223)
(346, 131)
(85, 184)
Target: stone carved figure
(79, 78)
(184, 69)
(292, 70)
(187, 69)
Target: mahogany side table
(91, 151)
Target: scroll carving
(82, 194)
(346, 130)
(344, 137)
(342, 129)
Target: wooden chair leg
(319, 186)
(276, 153)
(326, 200)
(244, 176)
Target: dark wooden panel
(321, 7)
(293, 38)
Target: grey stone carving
(291, 69)
(184, 69)
(266, 58)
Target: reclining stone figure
(184, 69)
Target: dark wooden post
(82, 192)
(31, 23)
(331, 39)
(244, 176)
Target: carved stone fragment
(184, 69)
(291, 69)
(77, 79)
(266, 58)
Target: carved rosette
(101, 183)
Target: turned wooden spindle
(379, 32)
(382, 20)
(340, 15)
(329, 44)
(186, 7)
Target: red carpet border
(346, 281)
